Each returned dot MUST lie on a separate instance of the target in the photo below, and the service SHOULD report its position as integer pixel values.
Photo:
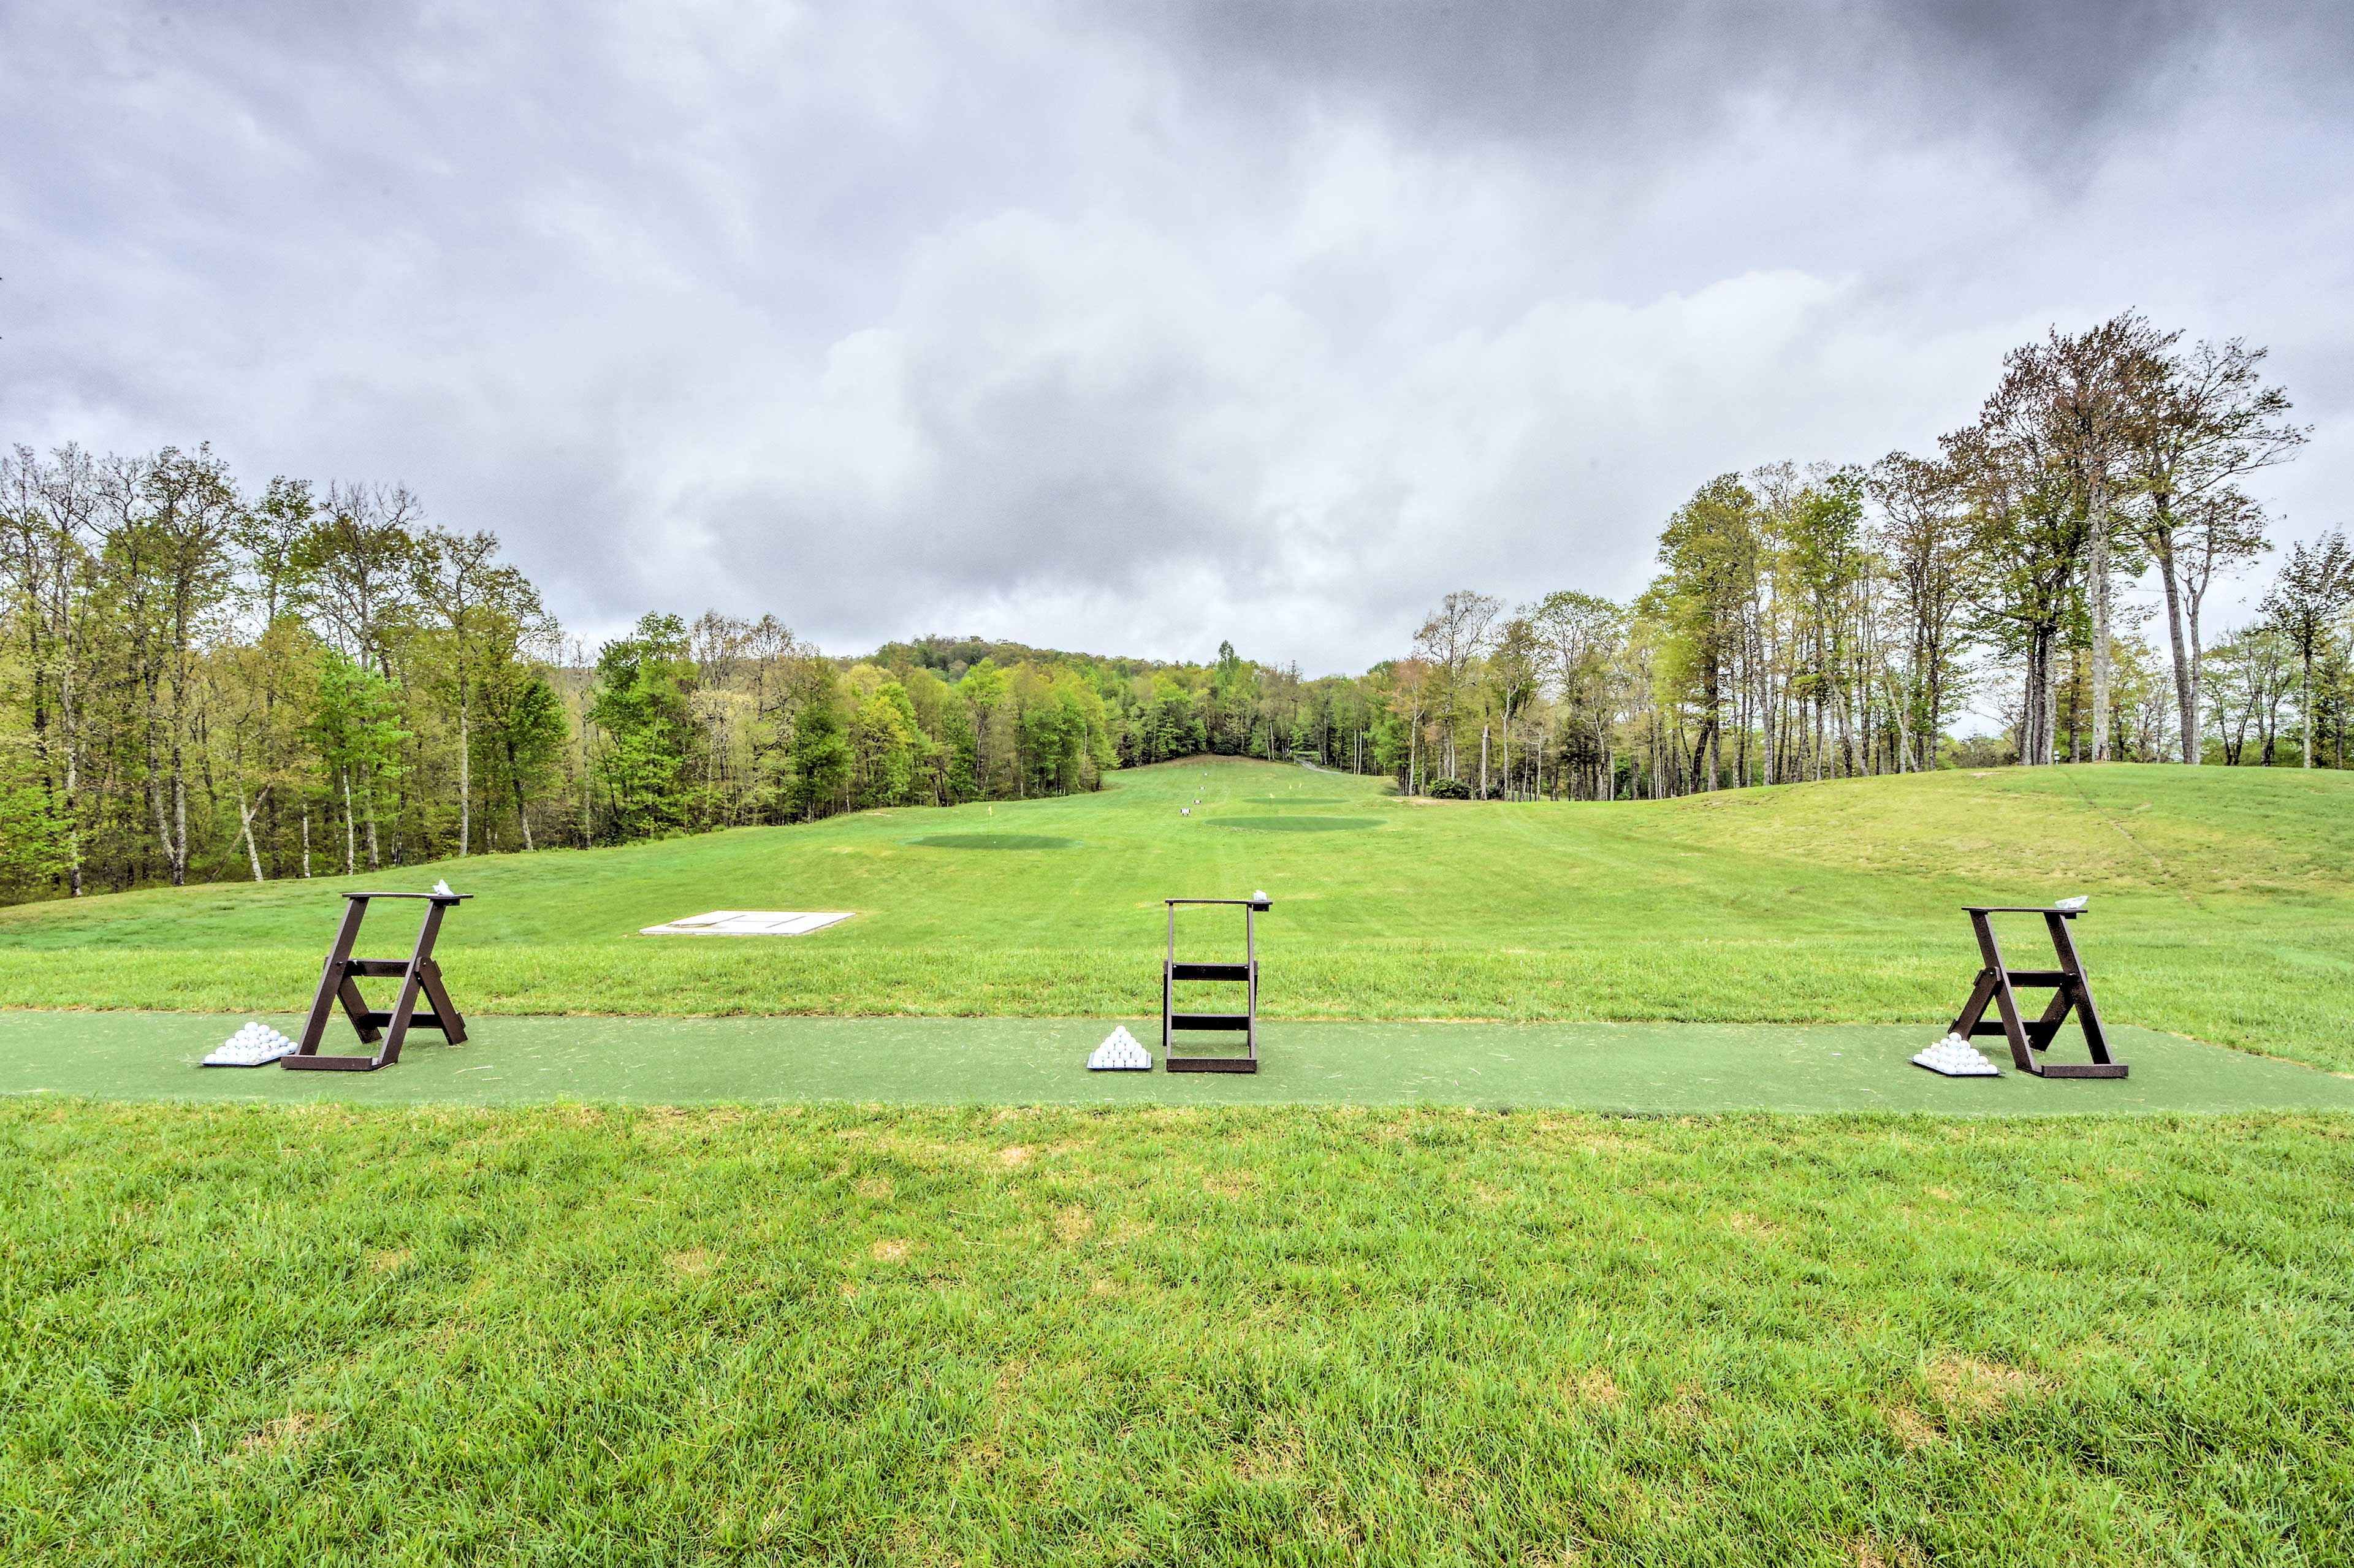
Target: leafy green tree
(639, 704)
(357, 733)
(2308, 599)
(884, 746)
(821, 758)
(522, 736)
(1709, 550)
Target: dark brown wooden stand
(417, 972)
(2069, 987)
(1245, 1023)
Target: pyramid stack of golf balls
(1957, 1059)
(1119, 1052)
(254, 1046)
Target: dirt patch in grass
(1276, 1455)
(1968, 1387)
(1592, 1385)
(1230, 1184)
(1912, 1429)
(283, 1435)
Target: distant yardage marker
(746, 922)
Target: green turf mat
(1637, 1067)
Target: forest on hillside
(201, 680)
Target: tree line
(1836, 620)
(200, 681)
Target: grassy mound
(2220, 907)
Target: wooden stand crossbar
(418, 973)
(2069, 987)
(1245, 974)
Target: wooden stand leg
(453, 1027)
(2088, 1014)
(334, 980)
(356, 1007)
(413, 981)
(2044, 1030)
(1981, 996)
(2013, 1028)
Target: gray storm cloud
(1129, 328)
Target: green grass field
(2220, 907)
(308, 1336)
(471, 1317)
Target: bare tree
(360, 562)
(1513, 666)
(1582, 638)
(1924, 538)
(169, 523)
(2207, 421)
(2096, 383)
(360, 558)
(1455, 636)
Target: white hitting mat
(746, 922)
(1119, 1052)
(255, 1045)
(1957, 1059)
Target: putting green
(1630, 1067)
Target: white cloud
(1017, 320)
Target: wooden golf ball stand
(2070, 991)
(1245, 974)
(418, 973)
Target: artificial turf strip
(319, 1335)
(1627, 1067)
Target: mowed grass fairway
(1343, 1332)
(2220, 907)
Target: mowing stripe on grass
(1668, 1068)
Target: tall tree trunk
(73, 823)
(179, 818)
(375, 856)
(466, 764)
(2096, 571)
(2304, 711)
(2186, 688)
(245, 820)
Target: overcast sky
(1131, 327)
